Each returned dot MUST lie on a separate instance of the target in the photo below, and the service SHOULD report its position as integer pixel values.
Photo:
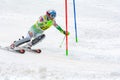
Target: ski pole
(62, 42)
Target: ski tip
(22, 51)
(38, 50)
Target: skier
(37, 29)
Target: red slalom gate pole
(66, 19)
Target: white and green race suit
(43, 24)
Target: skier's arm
(60, 29)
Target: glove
(66, 33)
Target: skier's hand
(66, 33)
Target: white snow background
(95, 57)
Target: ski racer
(35, 34)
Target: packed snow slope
(95, 57)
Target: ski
(22, 51)
(33, 50)
(18, 50)
(36, 50)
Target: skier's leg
(22, 41)
(37, 39)
(37, 36)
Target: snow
(95, 57)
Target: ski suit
(42, 24)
